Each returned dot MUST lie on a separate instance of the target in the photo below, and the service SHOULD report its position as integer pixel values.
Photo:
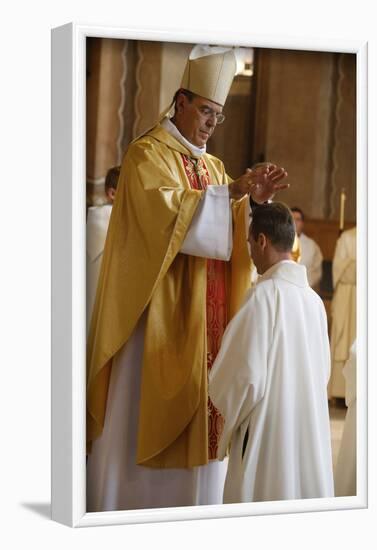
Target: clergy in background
(174, 271)
(311, 255)
(269, 380)
(343, 309)
(97, 224)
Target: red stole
(198, 176)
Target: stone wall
(307, 123)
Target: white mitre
(209, 72)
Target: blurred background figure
(343, 308)
(96, 230)
(345, 471)
(311, 255)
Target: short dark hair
(297, 209)
(112, 177)
(276, 222)
(190, 96)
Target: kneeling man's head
(271, 235)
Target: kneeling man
(269, 380)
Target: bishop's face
(196, 120)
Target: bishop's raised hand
(267, 179)
(261, 182)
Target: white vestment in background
(269, 380)
(343, 309)
(345, 471)
(114, 481)
(311, 258)
(96, 230)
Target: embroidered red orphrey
(198, 177)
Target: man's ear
(180, 102)
(262, 240)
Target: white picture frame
(68, 277)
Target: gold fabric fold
(142, 269)
(241, 265)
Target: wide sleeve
(210, 231)
(344, 265)
(315, 271)
(238, 377)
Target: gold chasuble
(188, 301)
